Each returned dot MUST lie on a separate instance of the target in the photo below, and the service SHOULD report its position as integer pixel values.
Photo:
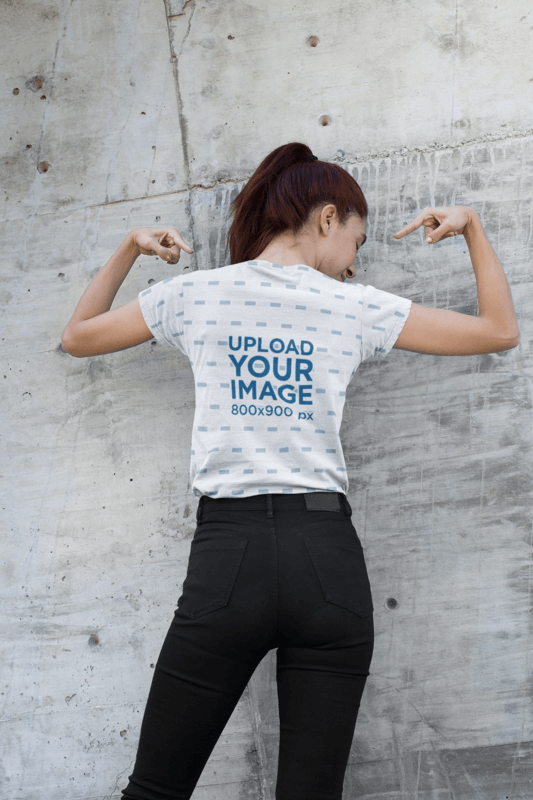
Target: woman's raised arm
(448, 333)
(93, 329)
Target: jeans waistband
(309, 501)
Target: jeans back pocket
(211, 574)
(342, 573)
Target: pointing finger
(417, 222)
(171, 237)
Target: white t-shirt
(272, 349)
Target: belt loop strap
(347, 506)
(199, 509)
(270, 508)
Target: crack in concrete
(182, 120)
(182, 12)
(454, 65)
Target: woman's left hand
(439, 223)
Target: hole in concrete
(35, 83)
(43, 166)
(157, 219)
(391, 603)
(60, 274)
(143, 113)
(231, 37)
(312, 41)
(153, 181)
(28, 146)
(16, 91)
(151, 281)
(43, 97)
(94, 641)
(325, 120)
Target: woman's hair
(281, 194)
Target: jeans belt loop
(270, 508)
(347, 506)
(199, 509)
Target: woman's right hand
(93, 329)
(440, 223)
(163, 242)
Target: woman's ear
(327, 215)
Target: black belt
(311, 501)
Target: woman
(275, 561)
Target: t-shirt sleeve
(383, 317)
(162, 307)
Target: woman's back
(272, 348)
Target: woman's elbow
(70, 345)
(508, 340)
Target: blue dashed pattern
(311, 402)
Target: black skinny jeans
(264, 572)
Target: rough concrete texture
(136, 113)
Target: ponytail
(285, 188)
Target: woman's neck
(288, 250)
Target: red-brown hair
(281, 194)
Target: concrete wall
(139, 113)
